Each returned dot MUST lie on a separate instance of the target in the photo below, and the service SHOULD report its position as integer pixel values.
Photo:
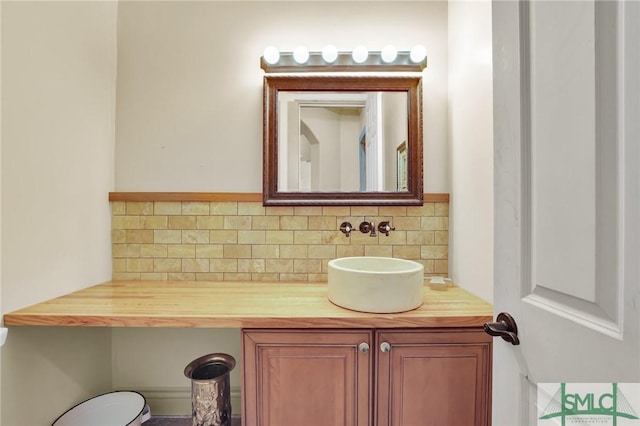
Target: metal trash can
(210, 389)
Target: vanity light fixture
(332, 60)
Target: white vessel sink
(375, 284)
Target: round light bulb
(360, 54)
(418, 53)
(271, 55)
(389, 54)
(300, 54)
(330, 53)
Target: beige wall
(189, 111)
(58, 116)
(471, 139)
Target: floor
(181, 421)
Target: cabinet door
(436, 377)
(307, 377)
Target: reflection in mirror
(342, 140)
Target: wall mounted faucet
(385, 227)
(366, 227)
(346, 228)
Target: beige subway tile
(364, 210)
(209, 276)
(209, 251)
(119, 265)
(265, 222)
(181, 250)
(293, 222)
(118, 208)
(154, 222)
(168, 236)
(279, 265)
(395, 238)
(358, 237)
(181, 276)
(223, 265)
(317, 278)
(223, 237)
(153, 276)
(195, 208)
(167, 208)
(435, 223)
(139, 265)
(199, 236)
(307, 266)
(265, 277)
(265, 251)
(231, 276)
(334, 237)
(392, 211)
(350, 250)
(139, 207)
(380, 251)
(406, 252)
(279, 237)
(125, 222)
(182, 222)
(307, 211)
(294, 278)
(118, 236)
(441, 267)
(278, 211)
(290, 251)
(139, 236)
(223, 208)
(251, 265)
(125, 250)
(427, 209)
(322, 252)
(336, 211)
(125, 276)
(442, 209)
(307, 237)
(236, 251)
(434, 252)
(195, 265)
(209, 222)
(167, 265)
(323, 223)
(251, 237)
(441, 237)
(237, 222)
(409, 223)
(420, 237)
(153, 250)
(250, 209)
(429, 265)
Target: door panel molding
(597, 302)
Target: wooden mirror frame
(273, 84)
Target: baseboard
(177, 401)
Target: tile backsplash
(246, 241)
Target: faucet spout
(368, 227)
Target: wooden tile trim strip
(222, 196)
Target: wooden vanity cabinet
(385, 377)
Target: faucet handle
(385, 227)
(346, 228)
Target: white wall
(471, 139)
(58, 116)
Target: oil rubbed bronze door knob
(505, 327)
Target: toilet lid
(119, 408)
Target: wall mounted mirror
(342, 140)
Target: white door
(567, 190)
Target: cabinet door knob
(385, 347)
(363, 347)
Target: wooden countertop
(238, 305)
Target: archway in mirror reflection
(343, 142)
